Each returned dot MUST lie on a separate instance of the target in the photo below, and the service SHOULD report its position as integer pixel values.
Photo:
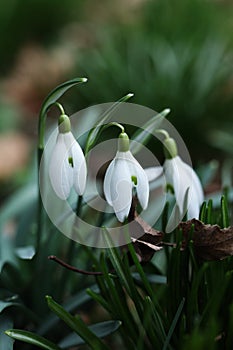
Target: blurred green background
(176, 54)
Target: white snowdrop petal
(184, 177)
(153, 173)
(60, 172)
(69, 140)
(136, 170)
(196, 183)
(195, 195)
(79, 168)
(107, 181)
(118, 184)
(193, 210)
(175, 177)
(121, 189)
(142, 186)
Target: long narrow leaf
(31, 338)
(52, 97)
(101, 330)
(77, 325)
(224, 212)
(173, 325)
(76, 301)
(93, 135)
(142, 136)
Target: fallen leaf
(148, 240)
(210, 242)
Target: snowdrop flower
(123, 174)
(67, 165)
(181, 178)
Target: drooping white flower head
(123, 174)
(182, 179)
(67, 166)
(185, 182)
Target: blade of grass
(142, 136)
(157, 309)
(202, 214)
(173, 325)
(93, 135)
(224, 212)
(77, 325)
(209, 213)
(31, 338)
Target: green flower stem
(116, 124)
(109, 125)
(163, 132)
(123, 139)
(42, 122)
(104, 127)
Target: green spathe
(64, 124)
(123, 142)
(170, 148)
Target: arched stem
(163, 132)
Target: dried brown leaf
(148, 240)
(210, 242)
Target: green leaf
(5, 342)
(56, 93)
(209, 212)
(142, 136)
(76, 301)
(224, 212)
(152, 278)
(101, 330)
(77, 325)
(173, 325)
(116, 260)
(203, 210)
(52, 97)
(32, 338)
(94, 133)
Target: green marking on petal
(169, 188)
(70, 160)
(134, 180)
